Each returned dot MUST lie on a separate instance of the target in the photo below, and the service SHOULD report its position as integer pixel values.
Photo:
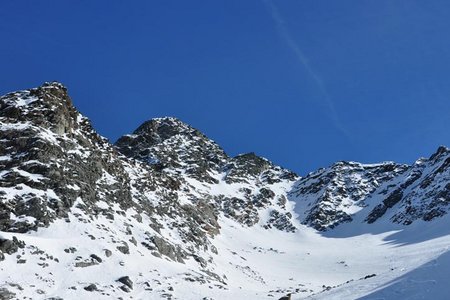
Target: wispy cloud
(285, 34)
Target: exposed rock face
(401, 193)
(329, 197)
(6, 295)
(169, 250)
(168, 142)
(91, 288)
(423, 192)
(244, 166)
(9, 246)
(126, 281)
(51, 156)
(281, 221)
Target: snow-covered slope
(165, 213)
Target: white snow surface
(411, 263)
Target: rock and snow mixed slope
(349, 190)
(165, 213)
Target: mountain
(165, 213)
(329, 197)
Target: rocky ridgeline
(331, 196)
(163, 192)
(54, 165)
(422, 192)
(51, 156)
(170, 145)
(400, 193)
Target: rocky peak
(440, 152)
(50, 155)
(158, 130)
(248, 167)
(48, 106)
(168, 142)
(423, 192)
(243, 167)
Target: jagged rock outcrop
(9, 246)
(400, 193)
(329, 197)
(170, 143)
(50, 157)
(423, 192)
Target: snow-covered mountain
(165, 213)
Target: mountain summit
(168, 142)
(165, 213)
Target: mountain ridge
(170, 196)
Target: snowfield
(408, 263)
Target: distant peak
(165, 127)
(166, 119)
(443, 149)
(361, 165)
(173, 121)
(345, 163)
(249, 154)
(251, 157)
(53, 84)
(48, 105)
(53, 93)
(440, 151)
(157, 130)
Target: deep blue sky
(304, 83)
